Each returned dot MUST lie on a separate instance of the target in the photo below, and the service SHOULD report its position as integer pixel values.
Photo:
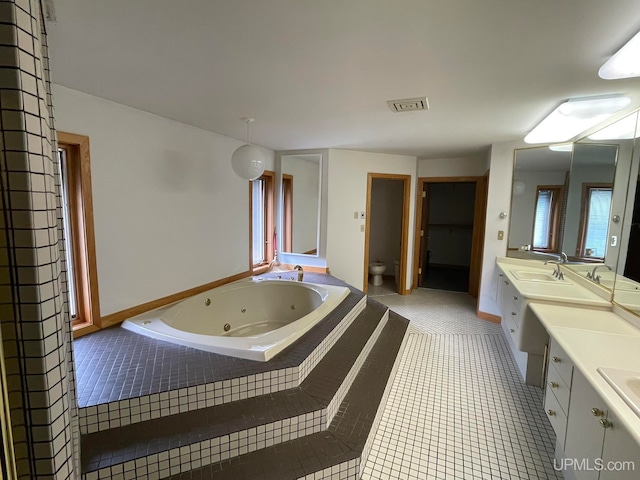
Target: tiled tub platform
(150, 409)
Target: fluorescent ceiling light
(575, 116)
(625, 63)
(626, 128)
(562, 147)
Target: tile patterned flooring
(458, 409)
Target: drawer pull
(554, 385)
(555, 359)
(515, 298)
(506, 283)
(551, 413)
(597, 412)
(513, 313)
(512, 330)
(605, 423)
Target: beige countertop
(571, 290)
(596, 339)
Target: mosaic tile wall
(36, 333)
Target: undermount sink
(626, 384)
(534, 276)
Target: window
(547, 215)
(79, 237)
(262, 226)
(594, 220)
(287, 214)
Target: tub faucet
(300, 272)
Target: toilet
(376, 269)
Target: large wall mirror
(300, 207)
(626, 233)
(562, 202)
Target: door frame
(479, 221)
(404, 242)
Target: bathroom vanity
(521, 282)
(597, 429)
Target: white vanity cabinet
(595, 436)
(528, 336)
(619, 447)
(510, 302)
(558, 390)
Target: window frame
(82, 233)
(584, 218)
(269, 178)
(554, 228)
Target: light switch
(500, 234)
(355, 215)
(362, 228)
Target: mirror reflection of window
(287, 220)
(594, 223)
(547, 218)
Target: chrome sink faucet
(300, 272)
(556, 272)
(595, 277)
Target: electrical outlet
(500, 234)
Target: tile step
(340, 451)
(233, 429)
(231, 379)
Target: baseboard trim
(488, 316)
(121, 316)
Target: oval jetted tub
(247, 319)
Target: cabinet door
(619, 447)
(584, 433)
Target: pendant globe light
(248, 161)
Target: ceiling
(317, 74)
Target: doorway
(449, 239)
(387, 233)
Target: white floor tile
(458, 409)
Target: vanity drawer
(516, 299)
(513, 329)
(558, 387)
(556, 416)
(560, 361)
(514, 314)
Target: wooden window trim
(287, 214)
(584, 217)
(269, 178)
(556, 204)
(82, 233)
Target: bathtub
(247, 319)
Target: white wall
(347, 193)
(452, 167)
(386, 222)
(169, 212)
(523, 206)
(498, 200)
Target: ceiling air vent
(409, 104)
